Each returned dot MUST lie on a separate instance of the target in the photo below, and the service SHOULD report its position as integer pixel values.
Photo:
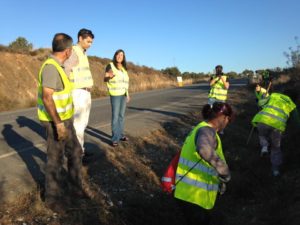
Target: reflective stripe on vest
(119, 84)
(199, 167)
(276, 112)
(62, 99)
(81, 76)
(218, 90)
(199, 185)
(58, 109)
(166, 179)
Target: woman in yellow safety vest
(202, 169)
(117, 81)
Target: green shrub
(20, 45)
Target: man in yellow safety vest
(78, 69)
(219, 86)
(55, 111)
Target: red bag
(168, 179)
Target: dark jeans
(118, 106)
(56, 150)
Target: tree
(232, 74)
(21, 44)
(293, 56)
(247, 73)
(173, 71)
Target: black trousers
(194, 214)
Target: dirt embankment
(19, 73)
(127, 180)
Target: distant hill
(19, 72)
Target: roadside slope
(19, 73)
(127, 180)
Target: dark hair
(219, 67)
(115, 59)
(84, 33)
(61, 42)
(210, 112)
(219, 70)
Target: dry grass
(126, 180)
(19, 72)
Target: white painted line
(22, 150)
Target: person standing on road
(117, 80)
(271, 122)
(219, 86)
(202, 169)
(55, 111)
(78, 69)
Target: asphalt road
(22, 138)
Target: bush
(20, 45)
(173, 71)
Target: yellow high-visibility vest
(119, 84)
(201, 184)
(80, 75)
(218, 90)
(262, 96)
(62, 99)
(276, 111)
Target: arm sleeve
(71, 62)
(206, 144)
(51, 78)
(108, 68)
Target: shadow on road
(33, 125)
(174, 114)
(27, 151)
(206, 87)
(98, 134)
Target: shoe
(124, 138)
(264, 151)
(114, 144)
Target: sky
(193, 35)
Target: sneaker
(124, 138)
(264, 151)
(114, 144)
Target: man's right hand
(62, 132)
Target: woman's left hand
(127, 98)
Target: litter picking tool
(269, 86)
(249, 137)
